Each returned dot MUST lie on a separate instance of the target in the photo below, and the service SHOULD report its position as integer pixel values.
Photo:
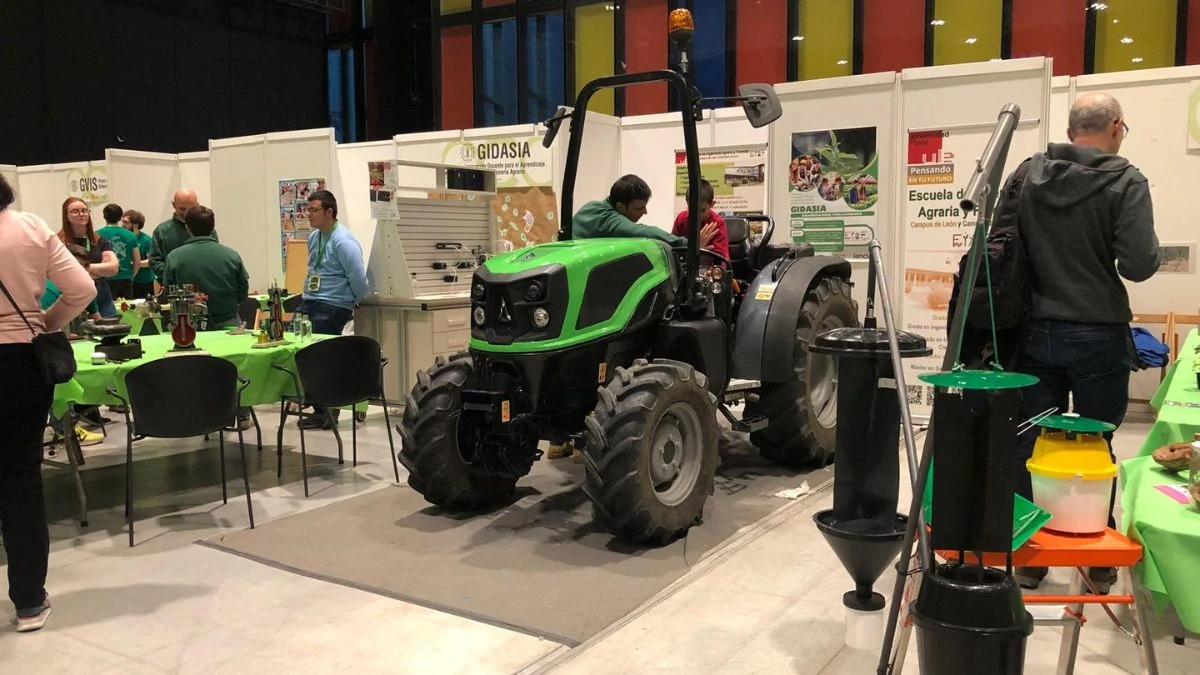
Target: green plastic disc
(1075, 423)
(978, 379)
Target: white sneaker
(34, 618)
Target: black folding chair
(182, 397)
(333, 373)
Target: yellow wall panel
(966, 31)
(827, 47)
(594, 45)
(1134, 34)
(452, 6)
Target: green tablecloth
(1170, 534)
(267, 384)
(1177, 401)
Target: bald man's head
(1097, 120)
(184, 200)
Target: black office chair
(247, 312)
(182, 397)
(333, 373)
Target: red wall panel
(645, 49)
(1053, 28)
(762, 41)
(894, 35)
(1193, 32)
(458, 81)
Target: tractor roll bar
(994, 152)
(690, 144)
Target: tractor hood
(562, 294)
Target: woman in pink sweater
(29, 254)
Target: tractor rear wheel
(802, 411)
(430, 437)
(651, 453)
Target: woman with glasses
(29, 255)
(81, 239)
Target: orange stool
(1051, 549)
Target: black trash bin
(970, 620)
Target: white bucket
(1078, 506)
(864, 630)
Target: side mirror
(761, 104)
(553, 124)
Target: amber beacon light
(681, 24)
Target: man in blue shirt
(336, 280)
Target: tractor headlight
(477, 292)
(479, 315)
(541, 318)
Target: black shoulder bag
(55, 358)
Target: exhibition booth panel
(880, 155)
(9, 171)
(947, 115)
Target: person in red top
(719, 240)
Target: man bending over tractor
(618, 216)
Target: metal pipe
(917, 523)
(994, 153)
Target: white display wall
(145, 181)
(354, 206)
(246, 172)
(648, 144)
(810, 111)
(43, 188)
(947, 116)
(1161, 106)
(195, 173)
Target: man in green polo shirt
(216, 270)
(124, 244)
(172, 233)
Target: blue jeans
(326, 319)
(1089, 362)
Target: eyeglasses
(77, 212)
(1125, 127)
(314, 209)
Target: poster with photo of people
(833, 190)
(293, 210)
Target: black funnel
(866, 548)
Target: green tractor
(631, 348)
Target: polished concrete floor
(769, 601)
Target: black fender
(766, 324)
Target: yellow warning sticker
(765, 292)
(603, 372)
(505, 411)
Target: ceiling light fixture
(971, 40)
(1137, 59)
(937, 22)
(798, 38)
(842, 62)
(1126, 40)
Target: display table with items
(1158, 512)
(1177, 400)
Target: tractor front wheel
(430, 435)
(651, 454)
(802, 411)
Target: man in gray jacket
(1086, 221)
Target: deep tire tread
(429, 448)
(616, 456)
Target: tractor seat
(739, 248)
